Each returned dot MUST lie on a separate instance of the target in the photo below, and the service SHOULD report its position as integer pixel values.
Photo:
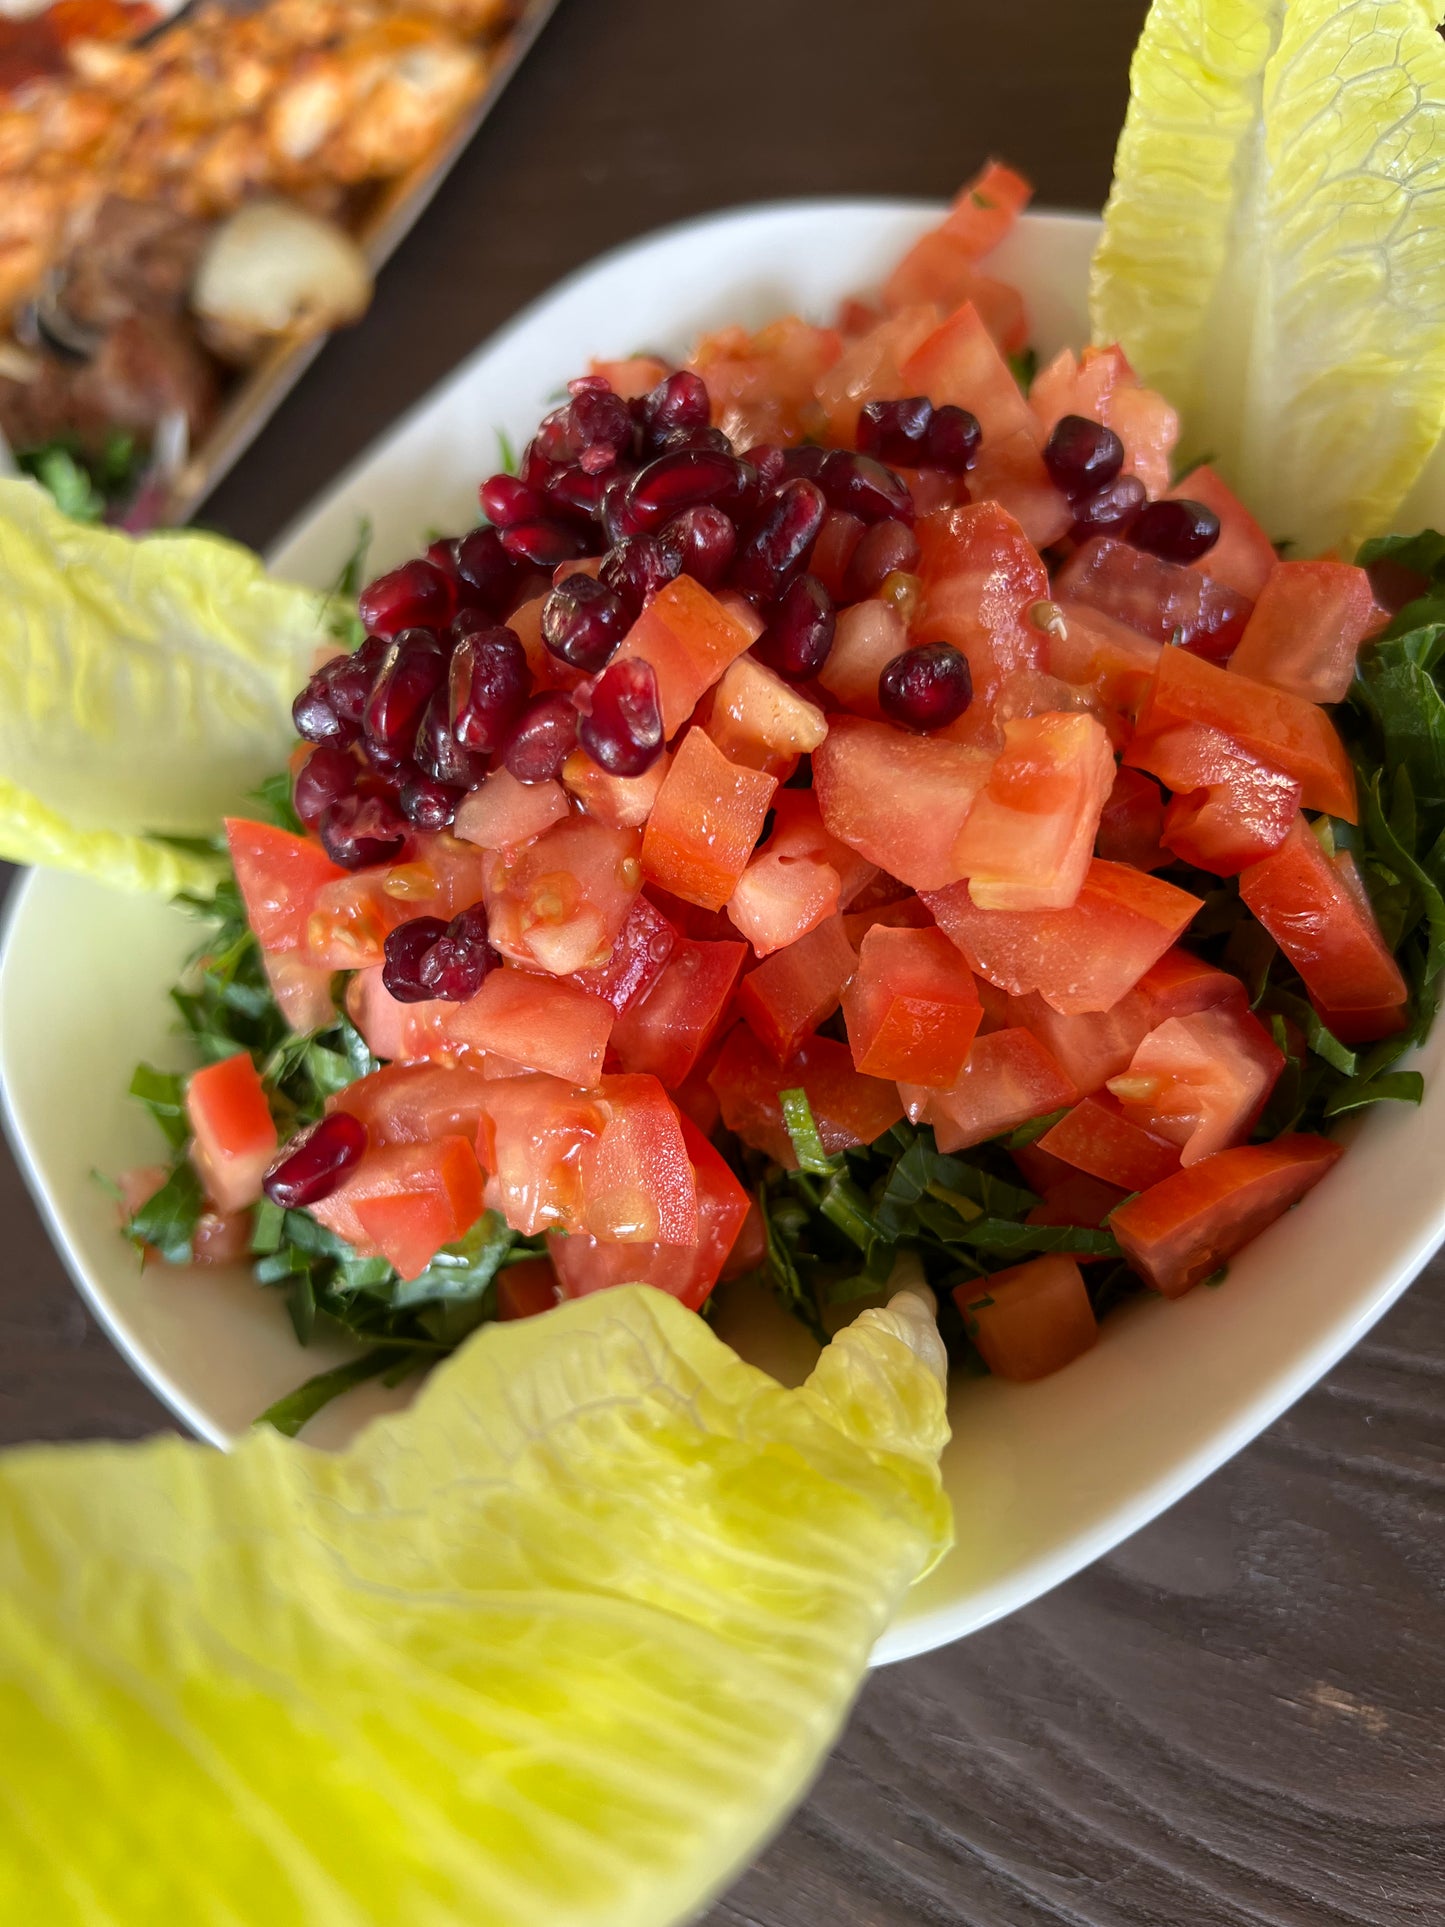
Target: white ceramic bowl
(1043, 1477)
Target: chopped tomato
(1179, 1232)
(222, 1238)
(637, 1179)
(1243, 558)
(904, 912)
(585, 1264)
(1077, 1199)
(959, 363)
(1029, 838)
(350, 918)
(868, 636)
(868, 369)
(1181, 984)
(1282, 731)
(278, 876)
(689, 638)
(900, 800)
(798, 830)
(544, 1023)
(847, 1107)
(1102, 387)
(531, 1140)
(1098, 1138)
(668, 1029)
(413, 1103)
(941, 263)
(392, 1029)
(1010, 473)
(1009, 1078)
(1084, 646)
(559, 903)
(912, 1007)
(1201, 1081)
(233, 1135)
(1131, 821)
(705, 824)
(1031, 1320)
(302, 990)
(527, 1289)
(762, 386)
(762, 722)
(403, 1202)
(780, 898)
(1162, 600)
(794, 990)
(632, 377)
(1319, 915)
(623, 802)
(1307, 627)
(1229, 809)
(1093, 1046)
(981, 576)
(1083, 958)
(504, 812)
(639, 957)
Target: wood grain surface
(1237, 1718)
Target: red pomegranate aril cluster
(683, 479)
(427, 958)
(859, 485)
(438, 753)
(416, 595)
(428, 804)
(797, 642)
(1175, 529)
(1109, 510)
(413, 669)
(912, 433)
(678, 401)
(623, 731)
(701, 542)
(359, 830)
(636, 568)
(1082, 456)
(541, 740)
(315, 1161)
(328, 774)
(583, 621)
(488, 575)
(883, 550)
(488, 684)
(926, 688)
(777, 546)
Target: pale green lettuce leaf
(145, 689)
(1274, 249)
(558, 1647)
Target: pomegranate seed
(615, 512)
(487, 572)
(315, 1161)
(1082, 456)
(595, 418)
(428, 804)
(314, 719)
(678, 401)
(636, 569)
(541, 740)
(624, 731)
(537, 468)
(544, 544)
(807, 461)
(953, 440)
(683, 480)
(711, 440)
(859, 486)
(442, 554)
(348, 679)
(470, 925)
(358, 830)
(438, 753)
(1176, 528)
(417, 595)
(583, 621)
(506, 501)
(576, 493)
(797, 640)
(488, 685)
(926, 688)
(453, 969)
(392, 767)
(411, 672)
(701, 542)
(1108, 510)
(777, 547)
(406, 946)
(770, 464)
(885, 548)
(896, 431)
(328, 774)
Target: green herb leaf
(168, 1220)
(803, 1134)
(289, 1414)
(164, 1095)
(1400, 1087)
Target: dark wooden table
(1237, 1718)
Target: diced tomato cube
(622, 802)
(1031, 1320)
(762, 722)
(1162, 600)
(1083, 958)
(302, 990)
(940, 268)
(639, 957)
(847, 1107)
(705, 823)
(278, 876)
(637, 1178)
(544, 1023)
(1010, 472)
(1229, 809)
(899, 800)
(1181, 984)
(548, 671)
(960, 364)
(1322, 921)
(504, 812)
(1102, 387)
(527, 1289)
(408, 1200)
(1028, 840)
(1098, 1138)
(1280, 730)
(868, 369)
(761, 386)
(795, 989)
(798, 830)
(1307, 627)
(531, 1139)
(1243, 558)
(633, 376)
(938, 265)
(780, 898)
(668, 1029)
(981, 576)
(1088, 648)
(1131, 821)
(392, 1029)
(912, 1007)
(1092, 1046)
(559, 903)
(1077, 1199)
(1009, 1078)
(233, 1135)
(904, 912)
(1179, 1232)
(867, 638)
(689, 638)
(689, 1272)
(1201, 1081)
(414, 1103)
